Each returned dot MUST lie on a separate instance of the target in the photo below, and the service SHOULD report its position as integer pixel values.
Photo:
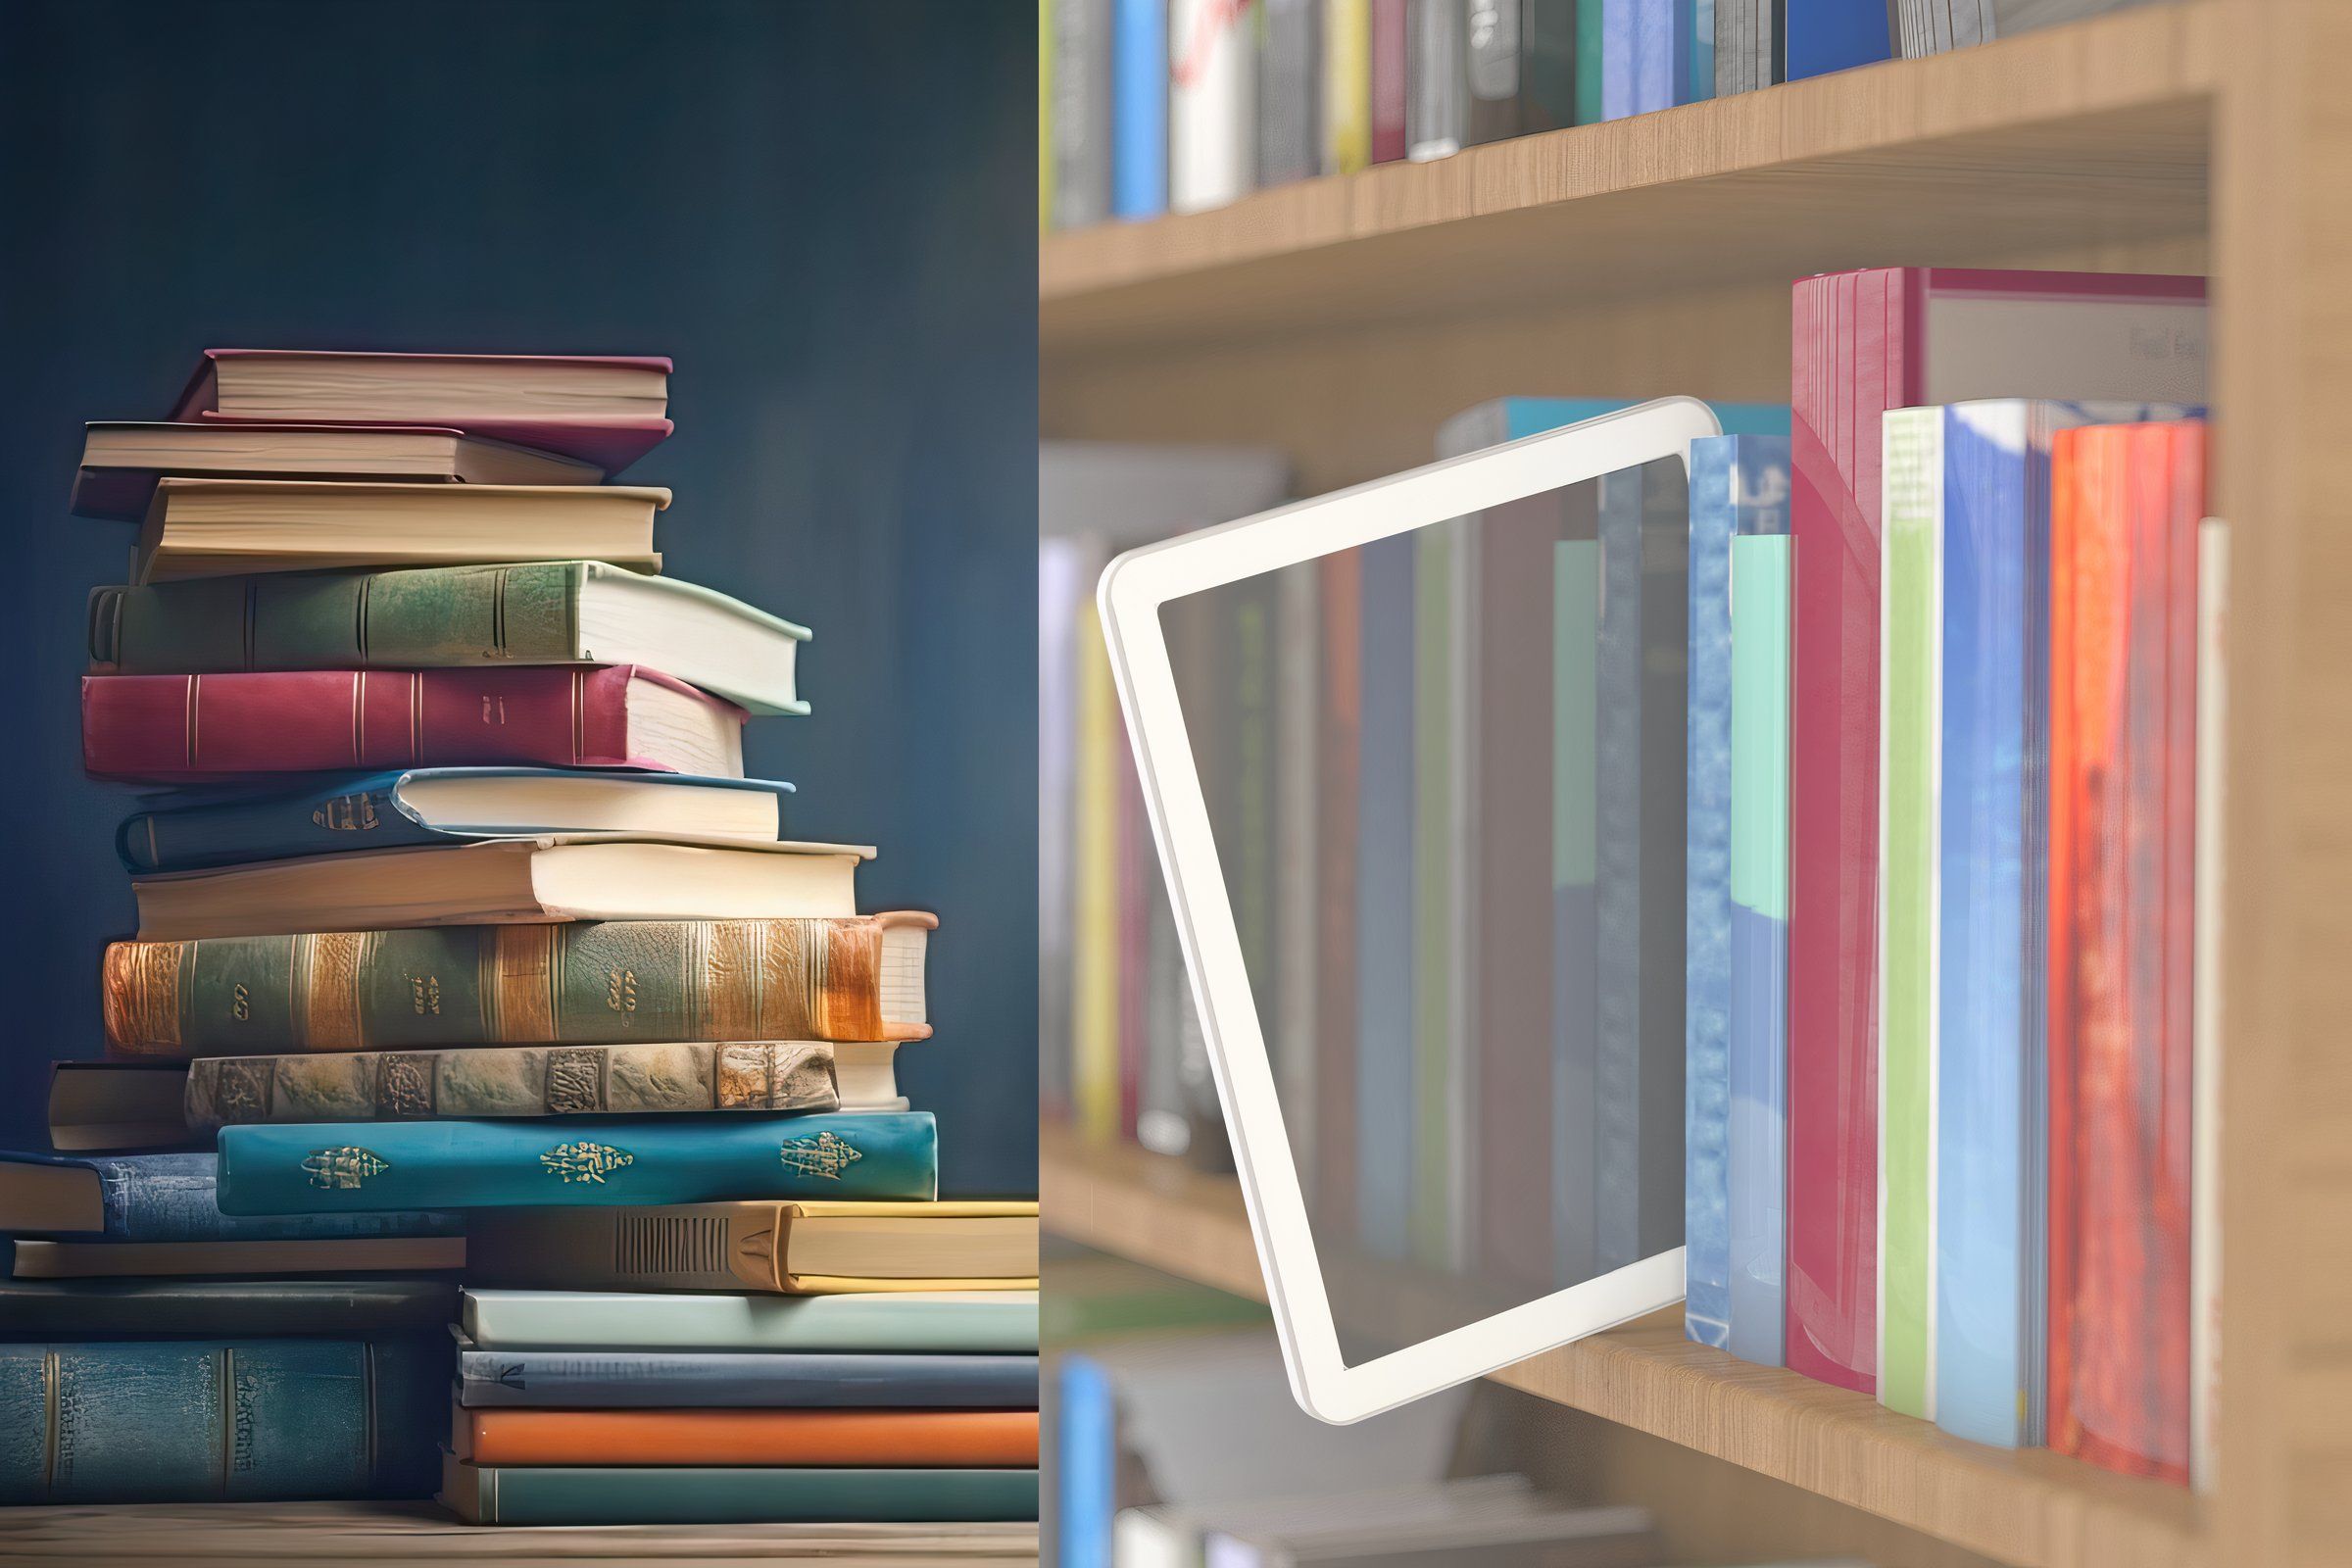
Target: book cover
(1620, 56)
(258, 1308)
(340, 1168)
(1290, 72)
(1863, 343)
(965, 1322)
(1660, 55)
(761, 1076)
(436, 617)
(607, 1494)
(1693, 51)
(628, 1380)
(376, 812)
(166, 1197)
(1820, 36)
(242, 1420)
(739, 1436)
(2125, 521)
(1592, 46)
(591, 983)
(1389, 75)
(1138, 108)
(1346, 86)
(1437, 109)
(1212, 103)
(1080, 121)
(1385, 937)
(193, 728)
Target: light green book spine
(969, 1322)
(1431, 1227)
(602, 1495)
(1910, 642)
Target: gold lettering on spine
(141, 986)
(522, 996)
(728, 995)
(327, 967)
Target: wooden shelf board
(383, 1535)
(2079, 135)
(2033, 1508)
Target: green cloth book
(964, 1322)
(605, 1161)
(601, 1495)
(436, 617)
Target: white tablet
(1405, 751)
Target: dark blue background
(823, 211)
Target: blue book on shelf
(1620, 21)
(1086, 1442)
(1819, 36)
(422, 806)
(1739, 487)
(641, 1380)
(1661, 70)
(1383, 903)
(1695, 50)
(222, 1421)
(1138, 98)
(166, 1197)
(331, 1167)
(1755, 1142)
(1990, 1091)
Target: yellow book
(1346, 86)
(1094, 938)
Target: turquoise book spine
(529, 1495)
(591, 1162)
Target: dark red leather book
(1388, 80)
(192, 728)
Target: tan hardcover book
(351, 1254)
(793, 1249)
(117, 1105)
(510, 1081)
(223, 527)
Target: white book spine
(1212, 103)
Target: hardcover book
(1212, 103)
(1138, 108)
(740, 1380)
(1863, 343)
(1819, 36)
(605, 410)
(598, 983)
(165, 1197)
(806, 1247)
(343, 1167)
(426, 805)
(1437, 109)
(225, 528)
(119, 1105)
(1390, 74)
(152, 1309)
(425, 617)
(962, 1322)
(512, 1081)
(219, 1421)
(1079, 125)
(237, 1259)
(168, 729)
(121, 460)
(605, 1494)
(1346, 86)
(1290, 72)
(742, 1436)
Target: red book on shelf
(603, 409)
(1863, 343)
(2126, 505)
(1388, 86)
(196, 728)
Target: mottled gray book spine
(1081, 117)
(512, 1081)
(1289, 114)
(1436, 81)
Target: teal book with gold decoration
(341, 1167)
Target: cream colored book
(795, 1249)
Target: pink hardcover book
(608, 409)
(1863, 343)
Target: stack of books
(478, 913)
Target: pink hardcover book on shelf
(1864, 342)
(606, 409)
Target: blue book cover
(1619, 23)
(1086, 1446)
(171, 1198)
(1991, 1092)
(1695, 50)
(1139, 73)
(332, 1167)
(222, 1421)
(1574, 899)
(1739, 486)
(1661, 71)
(190, 829)
(1383, 903)
(653, 1380)
(1819, 36)
(1756, 1038)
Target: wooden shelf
(384, 1535)
(2075, 136)
(2033, 1508)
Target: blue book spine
(1383, 914)
(1619, 80)
(331, 1167)
(1660, 75)
(242, 1420)
(1524, 417)
(173, 1197)
(1695, 50)
(1086, 1444)
(1707, 900)
(1140, 109)
(1576, 907)
(1819, 36)
(642, 1380)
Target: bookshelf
(1344, 318)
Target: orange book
(893, 1439)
